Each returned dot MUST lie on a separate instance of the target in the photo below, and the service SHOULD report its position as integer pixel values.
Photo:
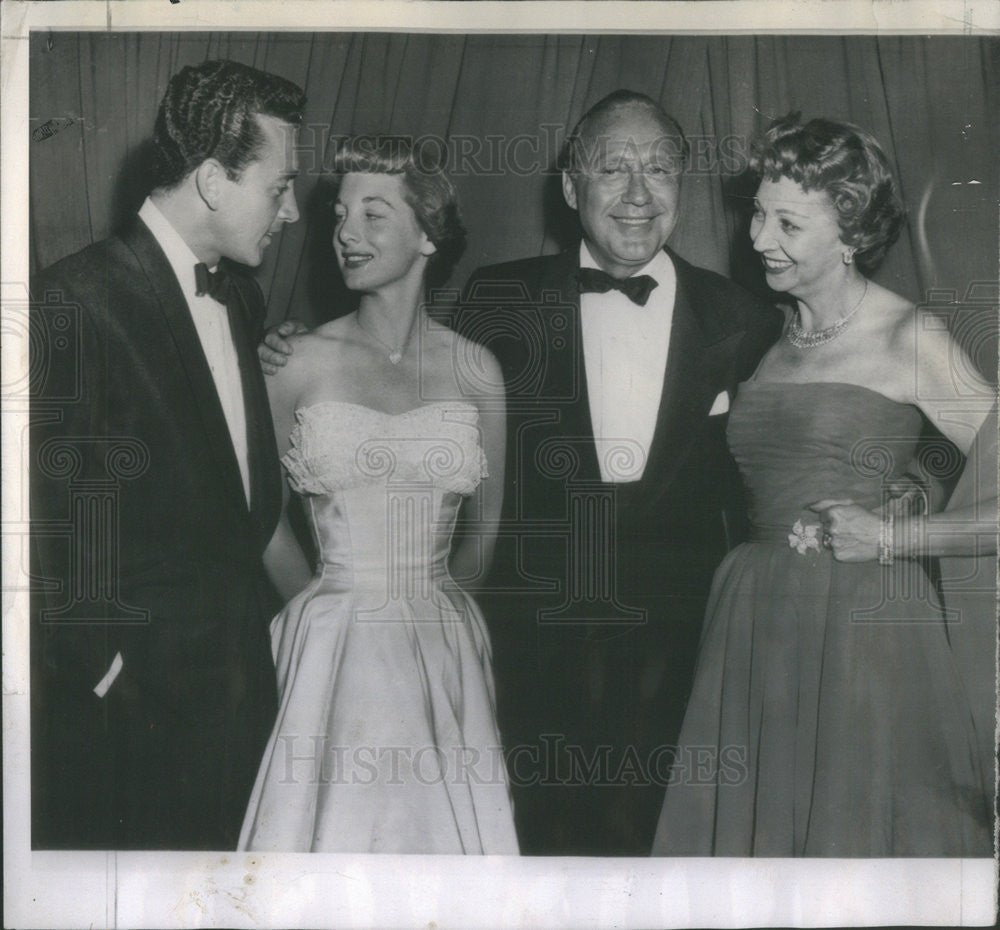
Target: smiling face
(377, 237)
(798, 238)
(627, 188)
(252, 208)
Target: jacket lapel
(265, 472)
(690, 384)
(567, 376)
(169, 299)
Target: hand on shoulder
(300, 363)
(278, 346)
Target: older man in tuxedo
(620, 498)
(620, 359)
(156, 487)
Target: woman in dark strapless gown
(829, 716)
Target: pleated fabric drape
(501, 104)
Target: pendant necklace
(810, 338)
(395, 353)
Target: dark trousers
(134, 770)
(590, 715)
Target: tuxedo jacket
(665, 533)
(146, 559)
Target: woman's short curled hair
(427, 189)
(209, 111)
(847, 164)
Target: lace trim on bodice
(338, 445)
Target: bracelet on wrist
(886, 539)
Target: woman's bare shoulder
(476, 369)
(319, 344)
(891, 324)
(894, 309)
(932, 369)
(333, 332)
(314, 353)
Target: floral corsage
(803, 537)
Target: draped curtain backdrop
(500, 105)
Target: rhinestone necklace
(810, 338)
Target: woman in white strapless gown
(386, 737)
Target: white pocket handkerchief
(721, 405)
(101, 688)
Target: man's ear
(569, 190)
(208, 178)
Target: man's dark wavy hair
(209, 111)
(847, 163)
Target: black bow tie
(637, 288)
(217, 284)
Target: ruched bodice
(797, 444)
(826, 697)
(386, 739)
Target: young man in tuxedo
(156, 487)
(620, 359)
(620, 497)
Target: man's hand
(273, 352)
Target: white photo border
(148, 889)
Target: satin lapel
(261, 447)
(689, 389)
(171, 303)
(567, 378)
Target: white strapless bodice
(383, 491)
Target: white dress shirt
(211, 320)
(625, 358)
